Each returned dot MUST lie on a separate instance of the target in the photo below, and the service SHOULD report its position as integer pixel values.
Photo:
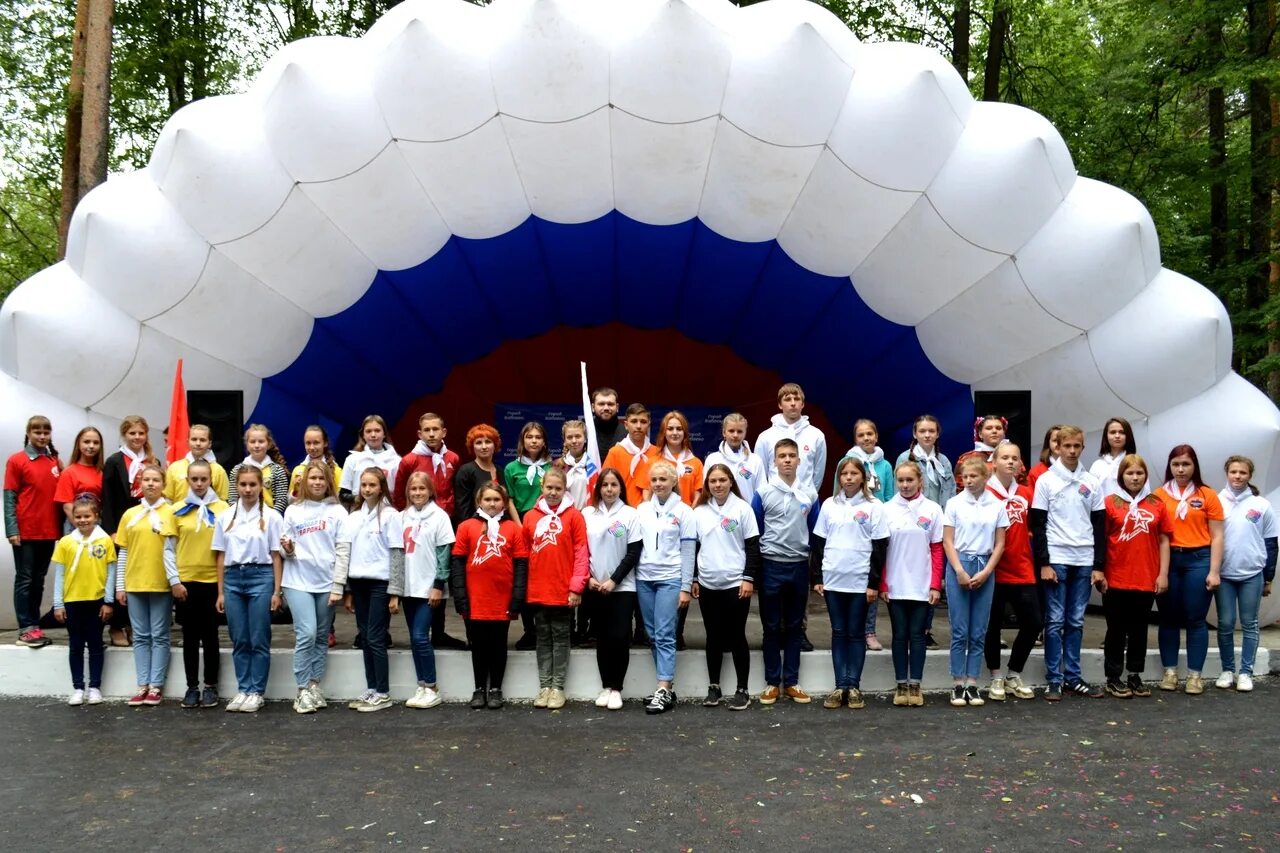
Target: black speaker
(223, 413)
(1014, 406)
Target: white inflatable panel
(1093, 256)
(752, 185)
(920, 266)
(1020, 328)
(550, 58)
(62, 335)
(902, 116)
(565, 168)
(322, 89)
(213, 164)
(1008, 173)
(431, 74)
(472, 180)
(129, 244)
(670, 61)
(839, 218)
(66, 418)
(384, 211)
(659, 169)
(303, 256)
(1171, 341)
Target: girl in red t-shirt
(559, 565)
(1015, 579)
(32, 524)
(488, 577)
(83, 475)
(1137, 569)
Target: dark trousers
(1127, 611)
(725, 616)
(198, 616)
(30, 567)
(908, 619)
(84, 631)
(488, 639)
(784, 593)
(1024, 598)
(373, 619)
(611, 621)
(438, 616)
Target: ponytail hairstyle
(75, 451)
(87, 499)
(384, 491)
(252, 471)
(327, 455)
(273, 452)
(862, 469)
(980, 422)
(373, 419)
(1246, 462)
(911, 448)
(200, 463)
(128, 423)
(663, 465)
(425, 479)
(41, 422)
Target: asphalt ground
(1173, 772)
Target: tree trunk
(1261, 176)
(95, 131)
(960, 30)
(71, 140)
(1218, 215)
(1000, 15)
(1273, 271)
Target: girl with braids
(32, 524)
(267, 458)
(246, 540)
(315, 441)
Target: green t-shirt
(516, 478)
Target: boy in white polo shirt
(1068, 526)
(786, 508)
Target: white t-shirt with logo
(849, 525)
(913, 527)
(722, 533)
(609, 532)
(313, 526)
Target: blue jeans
(660, 609)
(373, 619)
(419, 614)
(784, 592)
(1065, 602)
(970, 610)
(1247, 596)
(872, 610)
(1185, 605)
(246, 597)
(312, 616)
(908, 618)
(848, 612)
(149, 614)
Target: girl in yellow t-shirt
(315, 440)
(80, 564)
(188, 544)
(143, 582)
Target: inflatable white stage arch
(420, 183)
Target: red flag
(179, 425)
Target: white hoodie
(813, 448)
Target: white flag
(593, 446)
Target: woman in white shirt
(1248, 567)
(613, 539)
(247, 543)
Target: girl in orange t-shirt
(1195, 515)
(1137, 569)
(677, 451)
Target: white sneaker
(996, 691)
(76, 698)
(237, 702)
(430, 697)
(95, 696)
(317, 698)
(1244, 683)
(1226, 681)
(360, 701)
(252, 703)
(602, 701)
(376, 702)
(415, 701)
(1013, 684)
(303, 704)
(615, 701)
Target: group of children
(652, 531)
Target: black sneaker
(446, 641)
(739, 701)
(1118, 689)
(208, 698)
(680, 643)
(957, 696)
(929, 642)
(1137, 686)
(391, 644)
(358, 642)
(805, 645)
(972, 696)
(640, 638)
(1085, 689)
(478, 700)
(1054, 693)
(526, 643)
(714, 696)
(495, 699)
(191, 699)
(660, 702)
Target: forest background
(1174, 101)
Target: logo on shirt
(312, 527)
(1135, 524)
(861, 517)
(1253, 515)
(728, 525)
(99, 551)
(1084, 491)
(924, 523)
(617, 530)
(548, 537)
(1016, 507)
(486, 548)
(744, 472)
(1196, 503)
